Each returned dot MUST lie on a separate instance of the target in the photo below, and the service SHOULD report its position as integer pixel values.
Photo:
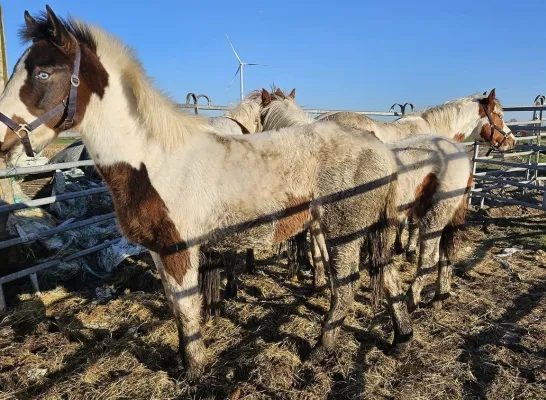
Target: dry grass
(489, 340)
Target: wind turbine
(240, 69)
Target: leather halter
(244, 130)
(23, 131)
(493, 129)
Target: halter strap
(244, 129)
(23, 130)
(493, 129)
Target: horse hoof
(399, 350)
(195, 369)
(411, 305)
(411, 256)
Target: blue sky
(345, 55)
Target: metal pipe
(50, 232)
(51, 199)
(15, 171)
(53, 263)
(510, 201)
(510, 183)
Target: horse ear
(292, 93)
(491, 97)
(266, 97)
(30, 22)
(58, 32)
(279, 92)
(484, 93)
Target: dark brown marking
(372, 132)
(143, 217)
(244, 130)
(297, 215)
(54, 51)
(459, 137)
(424, 194)
(11, 139)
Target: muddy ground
(114, 338)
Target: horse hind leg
(398, 245)
(319, 262)
(413, 239)
(385, 275)
(443, 283)
(250, 261)
(303, 254)
(428, 260)
(291, 251)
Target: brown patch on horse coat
(424, 194)
(143, 217)
(459, 137)
(372, 132)
(297, 214)
(11, 139)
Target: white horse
(434, 180)
(178, 184)
(478, 117)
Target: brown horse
(178, 184)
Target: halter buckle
(75, 81)
(22, 128)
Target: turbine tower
(240, 69)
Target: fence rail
(514, 175)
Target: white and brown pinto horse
(178, 184)
(478, 117)
(434, 178)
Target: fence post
(6, 191)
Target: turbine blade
(233, 48)
(232, 79)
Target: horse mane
(282, 112)
(448, 111)
(156, 111)
(247, 110)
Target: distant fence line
(523, 176)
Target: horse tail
(451, 234)
(379, 241)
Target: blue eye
(42, 75)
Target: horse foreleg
(231, 285)
(180, 276)
(343, 262)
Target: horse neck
(134, 123)
(453, 120)
(246, 113)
